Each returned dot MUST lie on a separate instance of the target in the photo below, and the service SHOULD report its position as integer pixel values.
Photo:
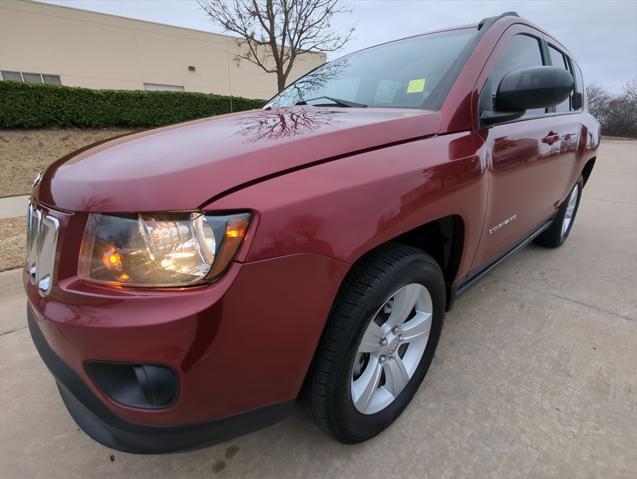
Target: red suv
(191, 283)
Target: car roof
(502, 21)
(507, 19)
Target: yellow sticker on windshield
(416, 86)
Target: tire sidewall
(350, 419)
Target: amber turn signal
(236, 229)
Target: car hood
(182, 167)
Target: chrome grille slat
(42, 235)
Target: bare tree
(284, 122)
(630, 90)
(616, 113)
(273, 34)
(598, 99)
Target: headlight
(158, 250)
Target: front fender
(345, 208)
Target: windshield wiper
(336, 101)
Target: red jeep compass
(190, 283)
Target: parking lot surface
(535, 376)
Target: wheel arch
(442, 238)
(588, 169)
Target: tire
(382, 283)
(563, 221)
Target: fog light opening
(144, 386)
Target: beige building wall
(96, 50)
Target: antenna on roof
(488, 21)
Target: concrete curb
(13, 206)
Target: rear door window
(578, 97)
(559, 60)
(522, 51)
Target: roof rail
(488, 21)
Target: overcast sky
(602, 35)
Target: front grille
(42, 236)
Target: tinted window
(400, 74)
(52, 79)
(579, 88)
(558, 60)
(522, 51)
(13, 76)
(32, 77)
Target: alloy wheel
(391, 348)
(570, 210)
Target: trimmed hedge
(28, 105)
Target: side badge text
(502, 224)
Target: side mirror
(528, 88)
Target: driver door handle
(551, 138)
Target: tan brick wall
(95, 50)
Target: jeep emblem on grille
(42, 234)
(37, 179)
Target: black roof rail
(488, 21)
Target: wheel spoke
(364, 387)
(573, 198)
(388, 354)
(396, 375)
(417, 328)
(371, 339)
(404, 302)
(570, 209)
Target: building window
(51, 79)
(30, 77)
(159, 87)
(13, 76)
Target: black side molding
(462, 287)
(101, 424)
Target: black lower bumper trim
(105, 427)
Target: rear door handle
(551, 138)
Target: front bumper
(105, 427)
(240, 349)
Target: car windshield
(400, 74)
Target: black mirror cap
(535, 87)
